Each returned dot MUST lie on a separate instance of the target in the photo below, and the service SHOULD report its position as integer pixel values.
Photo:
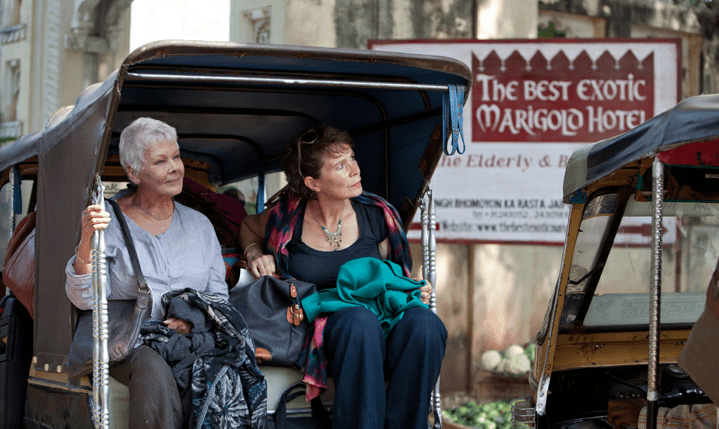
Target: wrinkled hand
(623, 413)
(178, 325)
(94, 218)
(262, 266)
(426, 292)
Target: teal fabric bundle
(377, 285)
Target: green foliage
(495, 415)
(550, 31)
(529, 351)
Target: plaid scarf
(282, 219)
(281, 222)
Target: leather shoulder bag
(125, 317)
(18, 272)
(272, 310)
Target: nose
(175, 164)
(355, 168)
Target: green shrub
(495, 415)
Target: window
(690, 248)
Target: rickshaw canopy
(692, 120)
(235, 107)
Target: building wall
(15, 59)
(696, 25)
(48, 55)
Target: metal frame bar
(100, 353)
(11, 190)
(11, 207)
(292, 81)
(429, 272)
(655, 292)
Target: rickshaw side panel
(68, 158)
(56, 407)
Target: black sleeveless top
(320, 267)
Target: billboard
(532, 103)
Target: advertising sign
(533, 103)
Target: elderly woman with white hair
(177, 248)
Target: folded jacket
(377, 285)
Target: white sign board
(533, 103)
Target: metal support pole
(100, 354)
(289, 81)
(428, 221)
(655, 293)
(11, 200)
(11, 208)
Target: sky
(153, 20)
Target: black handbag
(125, 317)
(318, 420)
(271, 307)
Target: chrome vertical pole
(11, 207)
(11, 199)
(100, 356)
(428, 221)
(655, 293)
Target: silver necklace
(333, 238)
(150, 214)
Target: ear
(132, 176)
(312, 184)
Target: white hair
(137, 137)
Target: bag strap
(318, 410)
(142, 286)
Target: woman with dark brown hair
(321, 221)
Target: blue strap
(452, 103)
(445, 118)
(17, 193)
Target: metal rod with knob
(100, 355)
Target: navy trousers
(361, 360)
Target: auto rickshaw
(235, 106)
(641, 246)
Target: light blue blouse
(188, 254)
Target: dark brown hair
(327, 140)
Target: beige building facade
(51, 50)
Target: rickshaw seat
(279, 379)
